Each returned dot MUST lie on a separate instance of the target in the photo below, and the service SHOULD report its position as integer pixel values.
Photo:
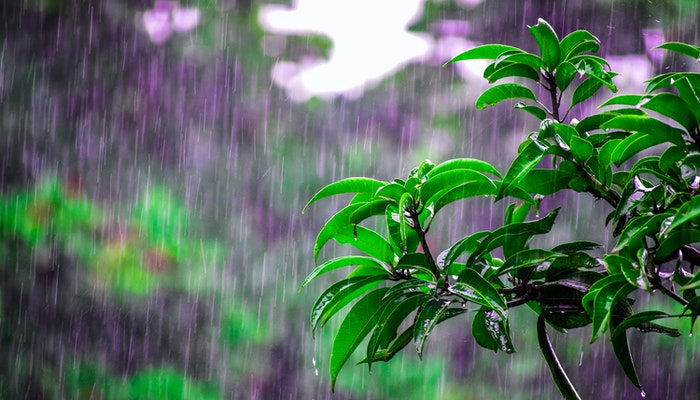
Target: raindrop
(643, 394)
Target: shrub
(640, 155)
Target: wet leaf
(459, 192)
(361, 319)
(369, 209)
(689, 211)
(339, 295)
(548, 43)
(641, 321)
(564, 75)
(634, 144)
(367, 241)
(491, 331)
(621, 349)
(577, 42)
(487, 52)
(348, 185)
(585, 90)
(511, 70)
(465, 245)
(447, 180)
(473, 287)
(527, 258)
(515, 235)
(464, 163)
(524, 162)
(579, 245)
(681, 48)
(388, 324)
(426, 320)
(501, 92)
(537, 111)
(545, 182)
(693, 283)
(566, 388)
(340, 262)
(601, 299)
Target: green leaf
(339, 295)
(581, 148)
(693, 283)
(361, 319)
(448, 180)
(516, 235)
(688, 93)
(414, 260)
(671, 157)
(462, 191)
(594, 67)
(519, 57)
(633, 272)
(601, 299)
(528, 258)
(621, 349)
(670, 79)
(566, 388)
(501, 92)
(473, 287)
(537, 111)
(641, 321)
(580, 245)
(634, 144)
(565, 74)
(367, 241)
(491, 331)
(571, 44)
(486, 51)
(464, 163)
(465, 245)
(681, 48)
(525, 161)
(687, 212)
(513, 70)
(340, 262)
(671, 106)
(545, 182)
(548, 43)
(585, 90)
(396, 311)
(694, 308)
(650, 126)
(335, 225)
(637, 228)
(369, 209)
(426, 320)
(393, 191)
(348, 185)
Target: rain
(157, 154)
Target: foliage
(639, 155)
(132, 254)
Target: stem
(655, 280)
(611, 196)
(424, 245)
(656, 283)
(518, 301)
(553, 95)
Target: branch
(424, 245)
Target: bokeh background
(155, 157)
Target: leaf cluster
(638, 153)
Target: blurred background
(156, 155)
